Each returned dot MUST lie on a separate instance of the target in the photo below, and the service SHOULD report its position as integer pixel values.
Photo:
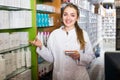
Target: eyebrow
(70, 13)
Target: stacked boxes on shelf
(109, 24)
(43, 18)
(13, 56)
(83, 19)
(92, 29)
(16, 3)
(45, 8)
(23, 76)
(2, 68)
(12, 40)
(15, 19)
(14, 61)
(15, 53)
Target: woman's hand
(74, 54)
(36, 42)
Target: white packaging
(28, 57)
(6, 20)
(7, 63)
(14, 63)
(2, 2)
(25, 4)
(17, 3)
(13, 38)
(51, 21)
(6, 40)
(40, 36)
(28, 18)
(2, 68)
(4, 43)
(18, 60)
(23, 56)
(15, 19)
(24, 38)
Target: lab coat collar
(71, 31)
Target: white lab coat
(65, 68)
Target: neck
(68, 28)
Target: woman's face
(69, 16)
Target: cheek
(64, 19)
(76, 19)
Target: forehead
(70, 9)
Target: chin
(67, 25)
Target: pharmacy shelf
(2, 29)
(46, 12)
(16, 72)
(31, 31)
(14, 48)
(3, 7)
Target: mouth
(68, 21)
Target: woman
(68, 48)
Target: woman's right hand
(36, 42)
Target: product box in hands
(69, 52)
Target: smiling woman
(75, 43)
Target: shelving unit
(26, 12)
(83, 18)
(108, 22)
(47, 19)
(16, 72)
(13, 48)
(109, 28)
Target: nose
(67, 17)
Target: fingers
(36, 39)
(36, 42)
(33, 42)
(75, 56)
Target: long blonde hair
(79, 31)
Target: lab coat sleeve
(87, 55)
(46, 52)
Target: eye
(64, 14)
(73, 15)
